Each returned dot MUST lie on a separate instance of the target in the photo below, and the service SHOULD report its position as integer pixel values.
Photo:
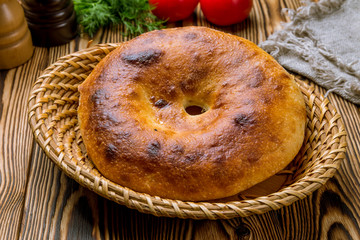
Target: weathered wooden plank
(15, 143)
(48, 188)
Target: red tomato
(225, 12)
(173, 10)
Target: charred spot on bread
(145, 57)
(111, 152)
(160, 103)
(177, 149)
(153, 149)
(105, 121)
(191, 157)
(245, 120)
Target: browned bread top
(139, 130)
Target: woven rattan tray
(53, 118)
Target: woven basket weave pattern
(53, 118)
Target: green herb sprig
(134, 14)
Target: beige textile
(322, 43)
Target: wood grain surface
(38, 201)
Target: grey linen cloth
(322, 43)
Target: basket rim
(167, 207)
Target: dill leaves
(134, 14)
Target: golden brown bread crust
(138, 134)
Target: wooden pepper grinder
(51, 22)
(15, 39)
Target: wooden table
(38, 201)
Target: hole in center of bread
(195, 110)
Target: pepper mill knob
(15, 39)
(51, 22)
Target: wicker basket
(53, 118)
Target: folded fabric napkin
(322, 43)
